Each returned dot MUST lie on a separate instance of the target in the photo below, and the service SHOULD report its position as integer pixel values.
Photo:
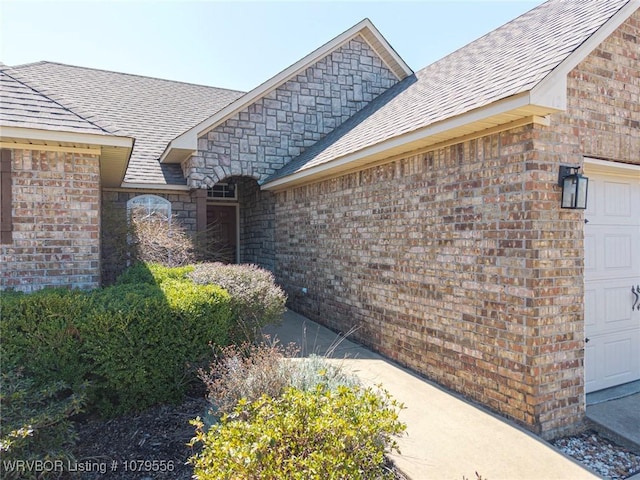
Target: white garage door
(612, 274)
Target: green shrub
(141, 338)
(153, 273)
(35, 421)
(257, 300)
(41, 332)
(132, 341)
(313, 434)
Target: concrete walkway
(447, 438)
(618, 419)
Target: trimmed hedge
(133, 341)
(256, 299)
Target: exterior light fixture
(574, 187)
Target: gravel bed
(600, 455)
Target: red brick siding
(604, 98)
(431, 256)
(459, 262)
(56, 206)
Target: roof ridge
(43, 62)
(8, 71)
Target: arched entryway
(238, 219)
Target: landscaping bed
(152, 444)
(161, 376)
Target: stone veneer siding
(278, 127)
(56, 225)
(458, 262)
(258, 141)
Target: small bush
(256, 299)
(246, 372)
(132, 238)
(160, 241)
(308, 373)
(132, 341)
(315, 434)
(153, 274)
(35, 421)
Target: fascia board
(522, 100)
(66, 137)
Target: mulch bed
(147, 446)
(150, 445)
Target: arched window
(149, 207)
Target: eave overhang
(114, 151)
(505, 114)
(547, 96)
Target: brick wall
(56, 198)
(183, 205)
(604, 99)
(459, 262)
(430, 256)
(257, 218)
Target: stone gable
(279, 126)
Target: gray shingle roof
(21, 106)
(153, 111)
(507, 61)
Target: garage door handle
(636, 293)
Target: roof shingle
(505, 62)
(21, 106)
(151, 110)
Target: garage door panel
(591, 313)
(612, 266)
(591, 374)
(590, 260)
(617, 304)
(617, 200)
(612, 201)
(607, 305)
(618, 349)
(613, 359)
(617, 251)
(611, 251)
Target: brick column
(200, 198)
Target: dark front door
(222, 226)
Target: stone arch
(221, 173)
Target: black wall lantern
(574, 187)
